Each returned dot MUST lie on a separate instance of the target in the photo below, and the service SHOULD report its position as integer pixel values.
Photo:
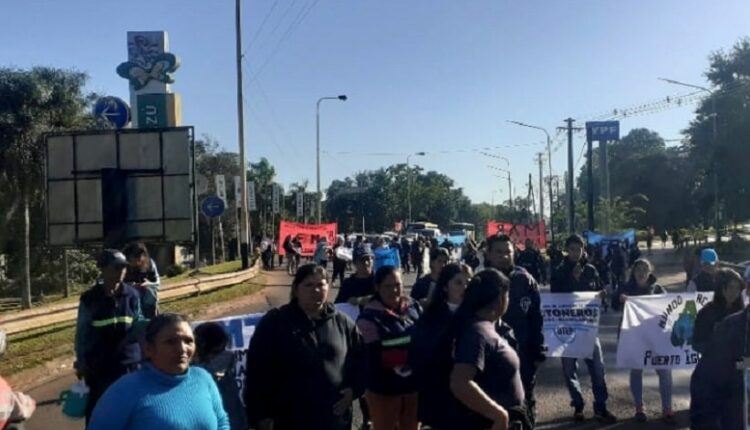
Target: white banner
(300, 204)
(221, 188)
(657, 331)
(237, 192)
(275, 194)
(571, 323)
(252, 204)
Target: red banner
(308, 235)
(519, 232)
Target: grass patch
(77, 290)
(36, 347)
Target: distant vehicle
(413, 227)
(461, 229)
(428, 232)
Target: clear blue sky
(421, 75)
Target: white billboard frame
(152, 162)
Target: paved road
(552, 396)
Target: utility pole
(570, 184)
(540, 160)
(531, 202)
(590, 176)
(244, 227)
(603, 154)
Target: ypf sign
(603, 130)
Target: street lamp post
(343, 98)
(408, 183)
(714, 137)
(549, 187)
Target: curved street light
(549, 184)
(342, 98)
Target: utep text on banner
(519, 232)
(308, 235)
(657, 331)
(571, 323)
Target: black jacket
(431, 358)
(387, 336)
(707, 320)
(524, 315)
(716, 387)
(704, 282)
(296, 368)
(354, 287)
(532, 261)
(106, 330)
(421, 289)
(564, 282)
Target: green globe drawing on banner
(682, 330)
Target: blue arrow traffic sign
(113, 110)
(212, 206)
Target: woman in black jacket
(431, 355)
(304, 362)
(727, 300)
(642, 282)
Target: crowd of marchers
(461, 351)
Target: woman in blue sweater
(167, 393)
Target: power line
(301, 15)
(260, 28)
(446, 151)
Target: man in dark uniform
(524, 314)
(105, 343)
(575, 274)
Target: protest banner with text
(657, 331)
(571, 323)
(519, 232)
(308, 235)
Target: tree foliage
(32, 102)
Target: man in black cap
(357, 290)
(361, 284)
(105, 343)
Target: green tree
(33, 102)
(729, 74)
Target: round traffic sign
(212, 206)
(113, 110)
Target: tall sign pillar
(149, 71)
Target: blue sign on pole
(603, 130)
(113, 110)
(212, 206)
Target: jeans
(598, 384)
(665, 388)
